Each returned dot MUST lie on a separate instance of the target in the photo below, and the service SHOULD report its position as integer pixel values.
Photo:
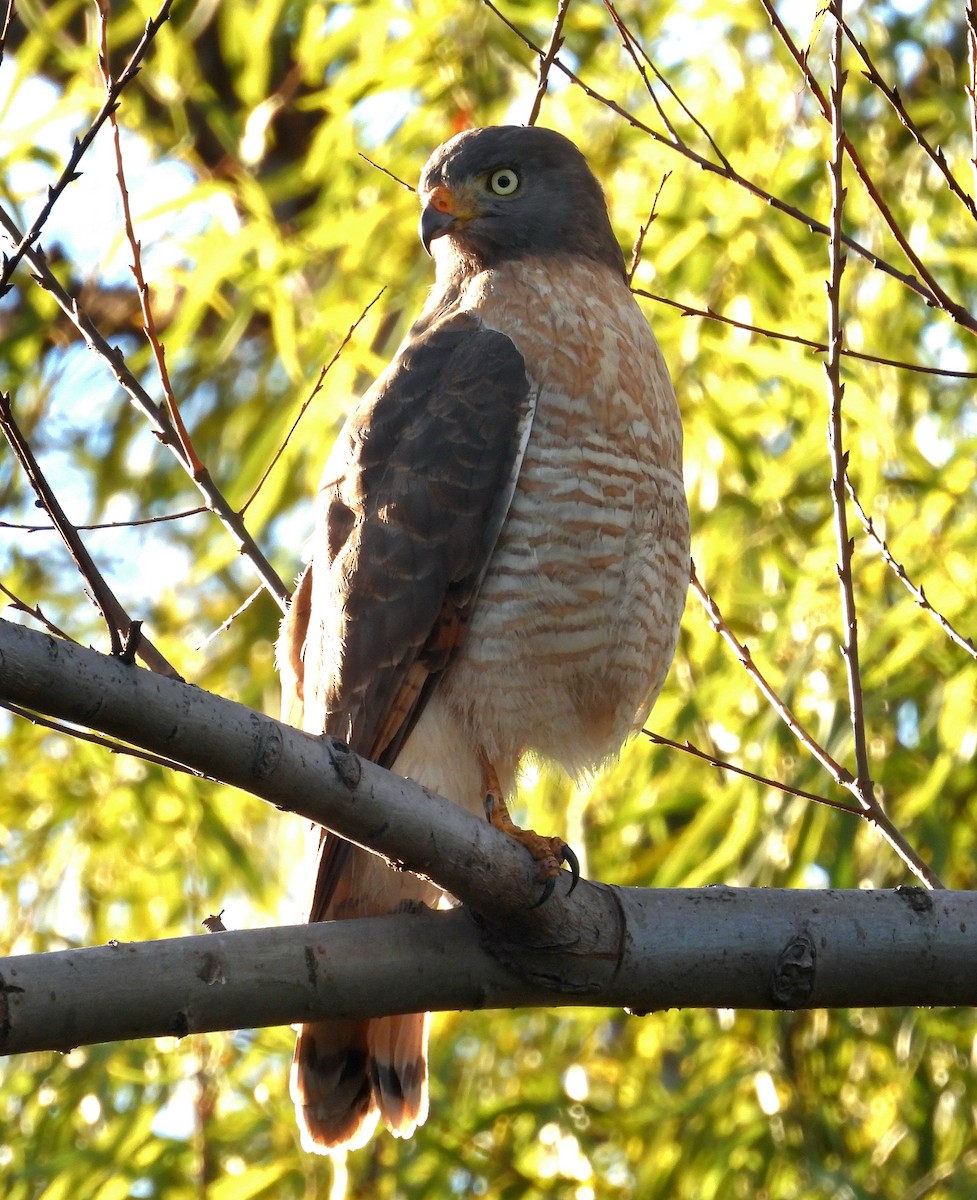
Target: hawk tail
(347, 1075)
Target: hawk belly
(577, 617)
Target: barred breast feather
(578, 614)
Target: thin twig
(933, 293)
(934, 153)
(971, 88)
(311, 396)
(628, 42)
(5, 31)
(546, 61)
(157, 416)
(838, 773)
(836, 393)
(634, 49)
(81, 145)
(735, 177)
(33, 610)
(917, 593)
(117, 620)
(723, 764)
(226, 624)
(639, 241)
(84, 735)
(390, 174)
(132, 524)
(821, 347)
(142, 288)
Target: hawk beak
(443, 211)
(435, 222)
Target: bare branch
(934, 153)
(117, 620)
(637, 52)
(81, 145)
(317, 777)
(229, 621)
(142, 288)
(864, 787)
(311, 396)
(389, 174)
(933, 293)
(821, 347)
(971, 88)
(158, 419)
(917, 593)
(546, 62)
(130, 524)
(33, 610)
(5, 29)
(838, 773)
(793, 949)
(639, 241)
(734, 176)
(722, 764)
(94, 739)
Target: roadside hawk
(500, 559)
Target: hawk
(500, 559)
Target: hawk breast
(577, 617)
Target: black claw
(547, 892)
(574, 864)
(489, 805)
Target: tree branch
(720, 947)
(863, 786)
(934, 153)
(546, 61)
(122, 629)
(81, 145)
(722, 764)
(971, 88)
(841, 775)
(710, 314)
(187, 447)
(917, 593)
(749, 185)
(5, 29)
(315, 777)
(937, 296)
(323, 372)
(158, 418)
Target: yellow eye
(504, 181)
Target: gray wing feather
(412, 502)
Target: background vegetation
(265, 234)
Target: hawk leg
(549, 853)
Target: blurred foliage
(266, 234)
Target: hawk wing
(411, 504)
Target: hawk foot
(549, 853)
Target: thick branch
(316, 777)
(645, 949)
(710, 947)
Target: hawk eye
(504, 181)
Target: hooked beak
(443, 211)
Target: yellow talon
(549, 853)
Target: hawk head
(511, 191)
